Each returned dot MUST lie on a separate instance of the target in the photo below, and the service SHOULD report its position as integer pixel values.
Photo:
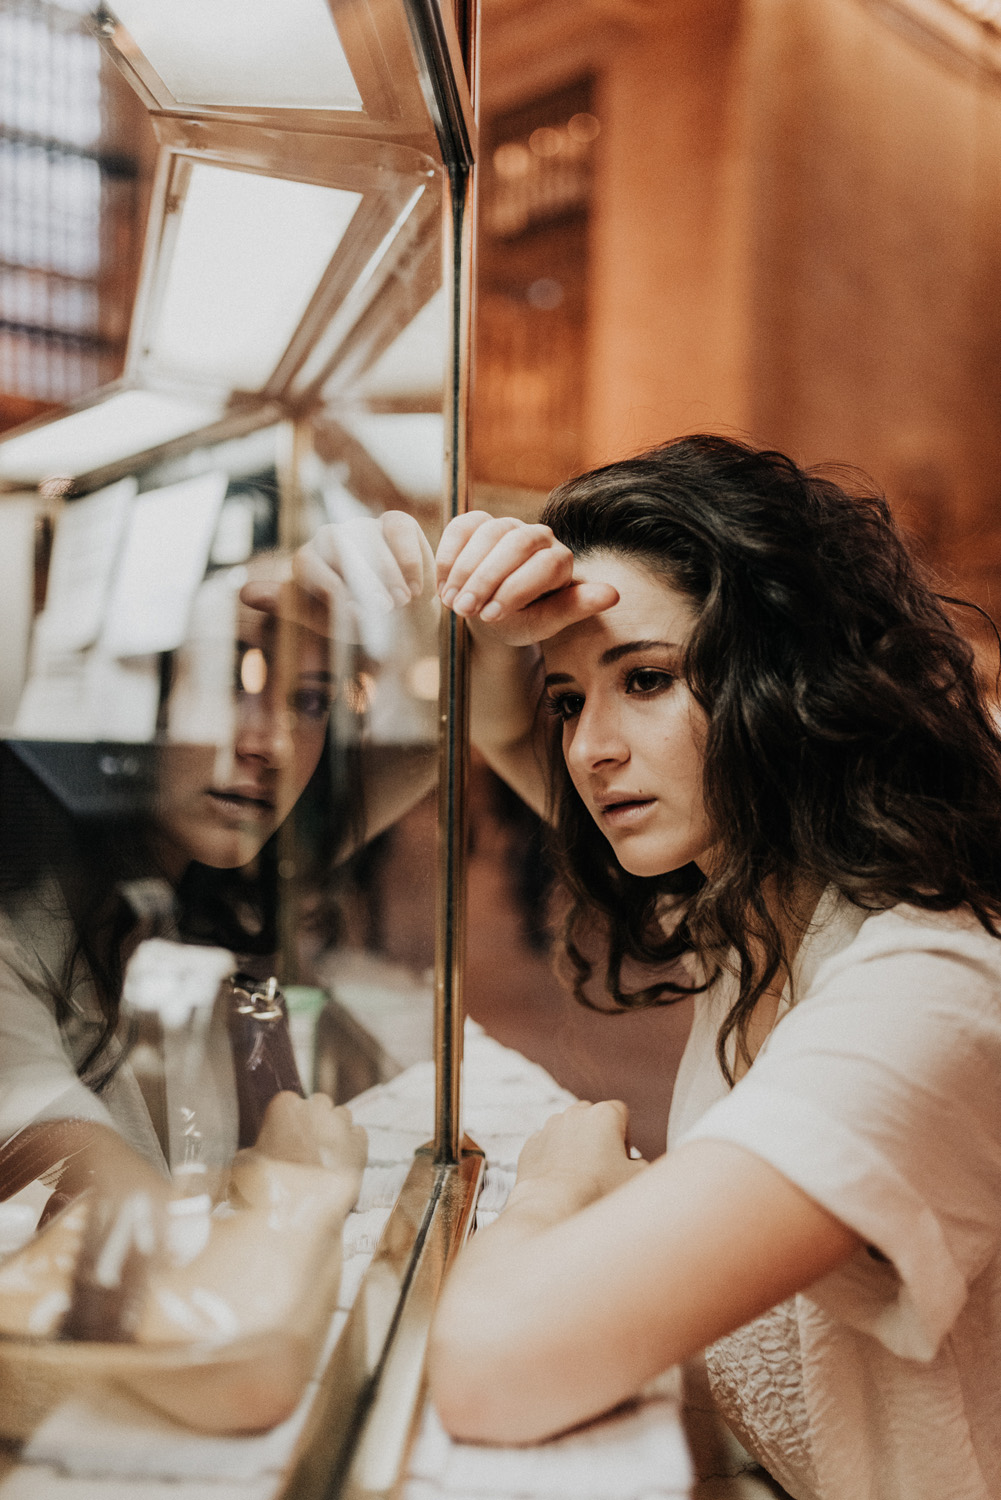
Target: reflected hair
(848, 743)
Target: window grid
(59, 195)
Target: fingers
(615, 1114)
(289, 601)
(341, 1143)
(514, 577)
(259, 594)
(454, 538)
(312, 1132)
(380, 564)
(516, 585)
(607, 1113)
(410, 548)
(528, 559)
(287, 1132)
(557, 611)
(355, 554)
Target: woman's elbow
(479, 1387)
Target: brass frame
(359, 1428)
(374, 330)
(242, 417)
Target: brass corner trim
(359, 1428)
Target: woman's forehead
(648, 610)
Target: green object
(304, 999)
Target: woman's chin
(219, 848)
(229, 853)
(649, 864)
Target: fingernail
(402, 596)
(447, 597)
(491, 612)
(465, 604)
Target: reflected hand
(514, 578)
(365, 564)
(577, 1157)
(312, 1132)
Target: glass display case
(233, 741)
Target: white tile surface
(118, 1450)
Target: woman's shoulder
(908, 953)
(905, 927)
(37, 939)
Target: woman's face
(633, 735)
(219, 804)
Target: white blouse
(878, 1092)
(39, 1055)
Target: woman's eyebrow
(616, 653)
(318, 675)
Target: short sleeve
(879, 1094)
(38, 1080)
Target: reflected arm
(394, 778)
(70, 1156)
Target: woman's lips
(626, 812)
(241, 805)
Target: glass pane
(235, 294)
(244, 52)
(218, 751)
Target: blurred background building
(769, 218)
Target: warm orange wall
(874, 241)
(668, 306)
(797, 234)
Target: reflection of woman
(775, 783)
(66, 923)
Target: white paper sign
(85, 695)
(123, 697)
(202, 706)
(84, 551)
(54, 702)
(162, 563)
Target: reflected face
(633, 735)
(219, 805)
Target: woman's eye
(311, 703)
(646, 681)
(564, 706)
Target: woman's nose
(263, 729)
(597, 740)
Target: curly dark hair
(848, 743)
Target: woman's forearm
(505, 688)
(547, 1322)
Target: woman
(774, 784)
(246, 736)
